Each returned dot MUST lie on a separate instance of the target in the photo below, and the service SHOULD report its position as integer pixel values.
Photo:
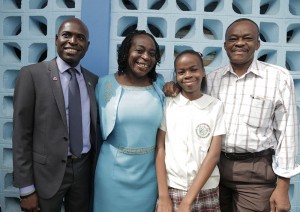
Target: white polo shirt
(189, 127)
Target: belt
(248, 155)
(136, 151)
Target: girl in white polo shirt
(189, 142)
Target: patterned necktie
(75, 117)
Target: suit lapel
(90, 85)
(91, 93)
(57, 89)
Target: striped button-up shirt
(260, 112)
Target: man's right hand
(171, 89)
(30, 203)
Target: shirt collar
(253, 68)
(200, 103)
(63, 66)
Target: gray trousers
(75, 190)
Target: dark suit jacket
(40, 133)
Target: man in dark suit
(45, 168)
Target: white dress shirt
(260, 112)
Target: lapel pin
(54, 78)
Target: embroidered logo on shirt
(203, 130)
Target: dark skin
(141, 59)
(189, 75)
(241, 42)
(240, 45)
(72, 42)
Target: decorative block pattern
(28, 27)
(201, 25)
(27, 36)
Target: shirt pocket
(259, 112)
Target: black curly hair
(123, 53)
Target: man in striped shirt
(260, 148)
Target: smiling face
(141, 56)
(189, 73)
(241, 42)
(72, 41)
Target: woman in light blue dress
(131, 107)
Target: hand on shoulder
(171, 89)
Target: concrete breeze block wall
(201, 24)
(27, 36)
(28, 28)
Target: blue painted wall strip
(96, 15)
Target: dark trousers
(75, 190)
(246, 185)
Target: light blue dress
(125, 177)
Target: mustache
(238, 49)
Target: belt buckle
(228, 157)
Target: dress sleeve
(163, 125)
(160, 81)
